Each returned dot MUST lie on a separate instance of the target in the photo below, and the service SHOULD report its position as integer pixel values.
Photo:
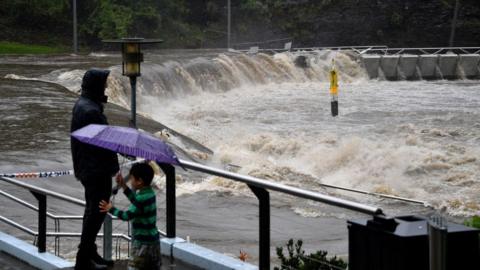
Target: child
(143, 213)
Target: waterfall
(438, 73)
(400, 74)
(177, 78)
(418, 73)
(460, 72)
(381, 74)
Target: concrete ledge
(200, 256)
(389, 65)
(448, 65)
(469, 64)
(408, 66)
(28, 253)
(428, 64)
(371, 64)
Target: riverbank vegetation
(202, 23)
(18, 48)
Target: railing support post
(107, 238)
(42, 221)
(169, 171)
(437, 237)
(264, 216)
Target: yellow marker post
(334, 89)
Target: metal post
(437, 237)
(169, 171)
(107, 238)
(133, 85)
(229, 32)
(264, 223)
(42, 221)
(454, 23)
(75, 38)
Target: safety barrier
(258, 186)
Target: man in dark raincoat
(93, 166)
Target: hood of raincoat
(94, 83)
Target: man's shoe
(101, 261)
(89, 265)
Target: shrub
(315, 261)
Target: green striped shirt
(143, 213)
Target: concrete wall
(28, 253)
(408, 66)
(428, 64)
(201, 257)
(431, 67)
(389, 65)
(469, 65)
(371, 64)
(448, 65)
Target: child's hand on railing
(121, 181)
(105, 206)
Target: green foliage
(17, 48)
(298, 260)
(396, 19)
(191, 23)
(473, 222)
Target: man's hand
(105, 206)
(121, 181)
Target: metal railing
(40, 236)
(357, 49)
(417, 51)
(57, 225)
(258, 186)
(261, 189)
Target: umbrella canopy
(128, 141)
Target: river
(269, 118)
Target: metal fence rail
(258, 186)
(417, 51)
(358, 49)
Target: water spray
(334, 89)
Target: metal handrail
(56, 218)
(56, 234)
(43, 191)
(18, 226)
(298, 192)
(425, 50)
(258, 186)
(335, 48)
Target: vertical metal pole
(169, 171)
(437, 237)
(42, 222)
(454, 23)
(264, 223)
(229, 32)
(133, 85)
(107, 238)
(75, 38)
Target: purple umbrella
(128, 141)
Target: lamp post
(75, 37)
(454, 23)
(229, 23)
(131, 59)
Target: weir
(432, 63)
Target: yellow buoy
(334, 89)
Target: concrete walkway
(166, 265)
(8, 262)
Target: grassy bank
(19, 48)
